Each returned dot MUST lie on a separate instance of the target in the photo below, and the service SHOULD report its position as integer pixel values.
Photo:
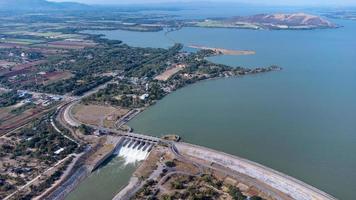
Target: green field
(20, 41)
(53, 35)
(221, 24)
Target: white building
(144, 96)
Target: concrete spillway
(133, 150)
(125, 142)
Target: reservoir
(300, 121)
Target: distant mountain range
(33, 5)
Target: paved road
(70, 119)
(67, 110)
(126, 118)
(277, 180)
(57, 129)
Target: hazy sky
(265, 2)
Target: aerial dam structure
(131, 146)
(134, 149)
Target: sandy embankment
(224, 51)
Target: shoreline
(278, 180)
(280, 183)
(69, 119)
(222, 51)
(267, 180)
(80, 171)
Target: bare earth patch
(9, 121)
(98, 115)
(57, 76)
(169, 72)
(225, 51)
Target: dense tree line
(11, 98)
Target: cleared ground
(10, 120)
(68, 44)
(98, 115)
(57, 76)
(169, 72)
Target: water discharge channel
(106, 181)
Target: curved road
(279, 181)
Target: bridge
(141, 137)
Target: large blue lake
(300, 121)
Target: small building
(46, 103)
(42, 73)
(56, 98)
(26, 101)
(99, 132)
(144, 96)
(59, 151)
(22, 94)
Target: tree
(86, 130)
(255, 198)
(178, 185)
(170, 163)
(236, 193)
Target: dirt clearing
(98, 115)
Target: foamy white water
(133, 152)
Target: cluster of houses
(38, 99)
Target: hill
(270, 21)
(33, 5)
(296, 19)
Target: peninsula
(221, 51)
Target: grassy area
(20, 41)
(54, 35)
(220, 24)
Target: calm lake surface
(300, 121)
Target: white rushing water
(133, 152)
